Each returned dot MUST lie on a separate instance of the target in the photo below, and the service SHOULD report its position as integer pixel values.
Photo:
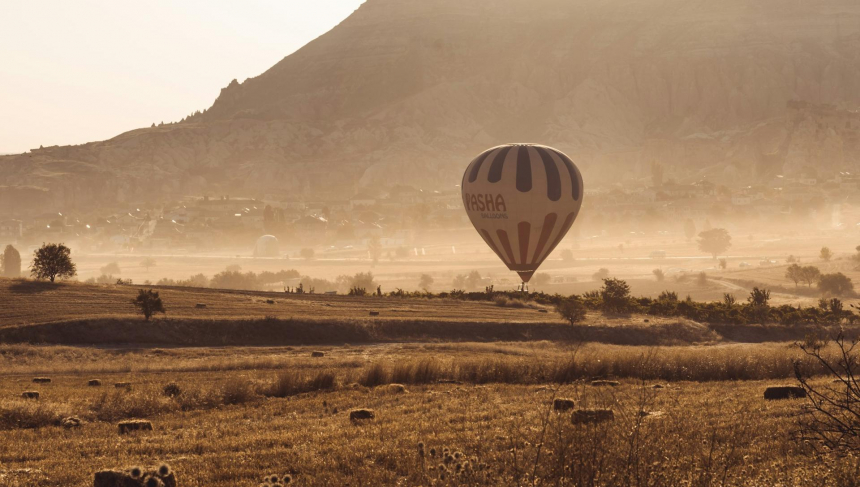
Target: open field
(476, 377)
(231, 425)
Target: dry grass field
(235, 420)
(474, 382)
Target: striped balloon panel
(522, 199)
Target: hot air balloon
(522, 200)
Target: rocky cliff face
(409, 90)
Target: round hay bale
(30, 394)
(592, 416)
(774, 393)
(374, 313)
(130, 425)
(172, 390)
(397, 388)
(317, 354)
(134, 477)
(361, 414)
(270, 301)
(563, 404)
(199, 305)
(658, 386)
(41, 380)
(542, 310)
(605, 383)
(71, 422)
(94, 383)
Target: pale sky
(86, 70)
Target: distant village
(395, 215)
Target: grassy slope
(81, 314)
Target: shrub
(759, 297)
(171, 390)
(659, 275)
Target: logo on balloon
(491, 206)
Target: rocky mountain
(407, 91)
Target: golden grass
(32, 302)
(700, 434)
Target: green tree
(307, 253)
(615, 295)
(10, 262)
(567, 255)
(601, 274)
(147, 262)
(149, 303)
(571, 309)
(810, 274)
(715, 241)
(425, 282)
(659, 275)
(689, 229)
(826, 254)
(51, 261)
(836, 284)
(794, 273)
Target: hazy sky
(85, 70)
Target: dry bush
(117, 405)
(237, 390)
(421, 371)
(289, 383)
(30, 414)
(375, 375)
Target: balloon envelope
(522, 200)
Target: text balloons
(522, 200)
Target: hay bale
(134, 477)
(773, 393)
(270, 301)
(562, 404)
(374, 313)
(542, 310)
(397, 388)
(592, 416)
(71, 422)
(94, 383)
(199, 305)
(123, 385)
(658, 386)
(30, 394)
(605, 383)
(317, 354)
(134, 425)
(41, 380)
(361, 414)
